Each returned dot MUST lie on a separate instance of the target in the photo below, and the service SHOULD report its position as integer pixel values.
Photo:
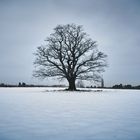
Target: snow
(53, 114)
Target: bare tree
(69, 53)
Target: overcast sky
(114, 24)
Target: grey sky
(114, 24)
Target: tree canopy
(69, 53)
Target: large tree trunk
(72, 85)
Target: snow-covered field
(50, 114)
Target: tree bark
(72, 86)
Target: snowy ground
(45, 114)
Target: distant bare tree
(80, 84)
(69, 53)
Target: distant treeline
(22, 84)
(121, 86)
(117, 86)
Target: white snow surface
(54, 114)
